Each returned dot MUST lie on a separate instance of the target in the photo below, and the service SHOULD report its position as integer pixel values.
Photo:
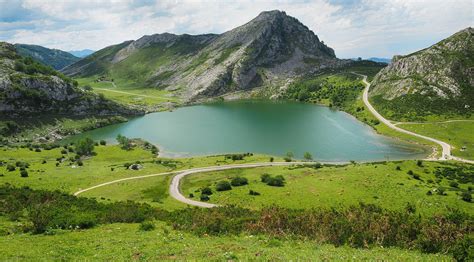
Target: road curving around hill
(446, 152)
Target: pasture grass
(124, 242)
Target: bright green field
(125, 242)
(127, 93)
(457, 134)
(380, 184)
(96, 169)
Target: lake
(261, 127)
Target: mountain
(81, 53)
(55, 58)
(265, 53)
(436, 80)
(28, 87)
(380, 60)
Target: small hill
(264, 53)
(55, 58)
(438, 80)
(29, 88)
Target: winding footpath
(174, 190)
(446, 153)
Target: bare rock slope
(267, 51)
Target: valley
(257, 143)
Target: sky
(353, 28)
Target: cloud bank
(352, 27)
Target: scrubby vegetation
(361, 226)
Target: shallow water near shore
(265, 127)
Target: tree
(308, 156)
(124, 142)
(85, 147)
(289, 156)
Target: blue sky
(353, 28)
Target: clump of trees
(125, 142)
(85, 147)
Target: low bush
(103, 142)
(24, 173)
(253, 193)
(204, 197)
(277, 181)
(239, 181)
(147, 226)
(454, 184)
(466, 196)
(11, 168)
(206, 191)
(223, 186)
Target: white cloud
(366, 28)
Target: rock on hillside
(266, 52)
(55, 58)
(438, 77)
(27, 87)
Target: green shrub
(277, 181)
(410, 172)
(11, 167)
(204, 197)
(64, 151)
(85, 147)
(466, 196)
(103, 142)
(453, 184)
(147, 226)
(223, 186)
(271, 159)
(264, 178)
(206, 191)
(419, 163)
(253, 193)
(80, 163)
(24, 173)
(239, 181)
(398, 168)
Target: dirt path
(174, 190)
(446, 153)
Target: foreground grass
(329, 187)
(126, 242)
(457, 134)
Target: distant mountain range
(375, 59)
(265, 53)
(438, 80)
(81, 53)
(55, 58)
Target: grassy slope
(457, 134)
(380, 184)
(97, 169)
(143, 98)
(126, 242)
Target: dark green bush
(454, 184)
(239, 181)
(466, 196)
(223, 186)
(147, 226)
(24, 173)
(11, 167)
(264, 178)
(253, 193)
(206, 191)
(204, 197)
(103, 142)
